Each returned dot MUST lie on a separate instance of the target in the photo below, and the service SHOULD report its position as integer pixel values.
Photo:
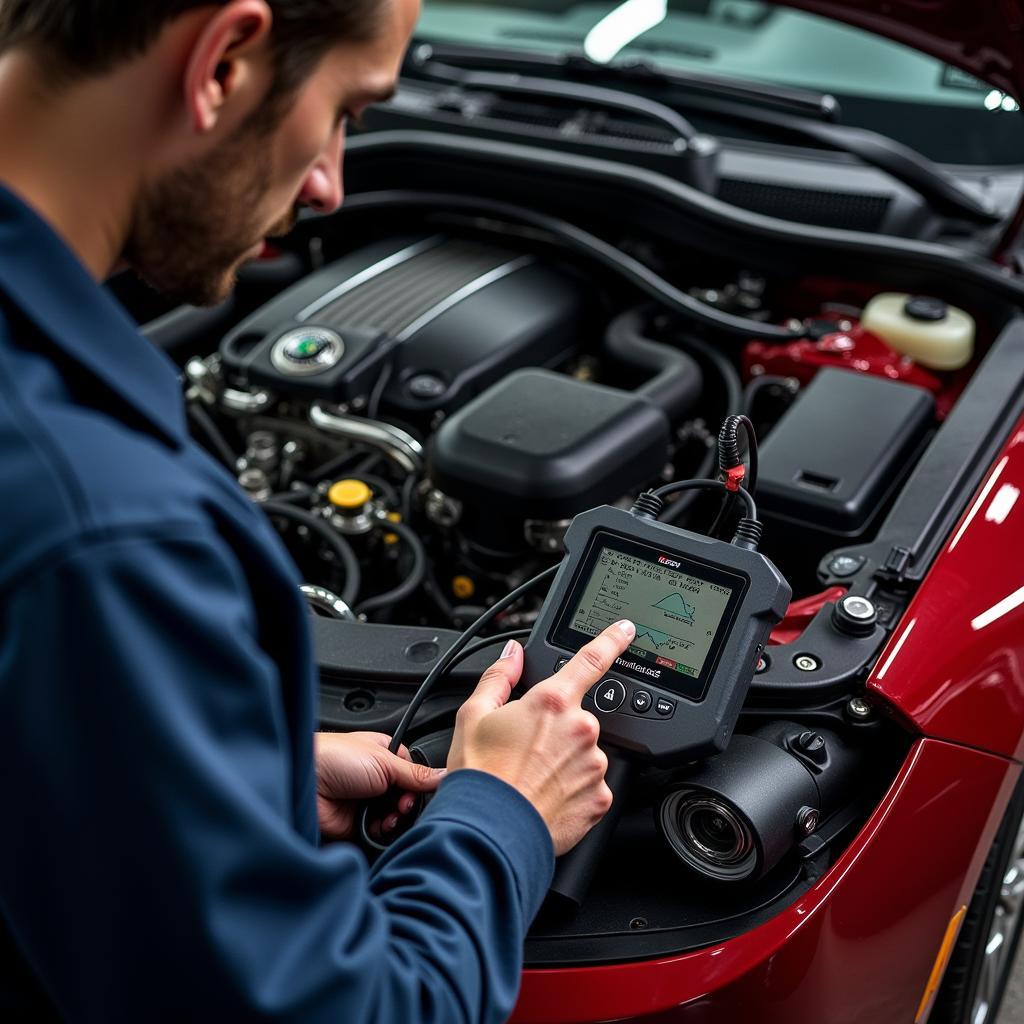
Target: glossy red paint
(801, 612)
(849, 346)
(858, 947)
(954, 667)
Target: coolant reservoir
(934, 334)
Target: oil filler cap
(349, 495)
(307, 350)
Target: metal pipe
(328, 602)
(401, 447)
(244, 403)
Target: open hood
(983, 37)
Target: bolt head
(807, 820)
(858, 707)
(807, 663)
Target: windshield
(941, 111)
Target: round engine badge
(307, 350)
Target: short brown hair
(92, 36)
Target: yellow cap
(351, 495)
(463, 588)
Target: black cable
(295, 496)
(372, 459)
(730, 453)
(329, 469)
(731, 382)
(408, 497)
(383, 379)
(481, 645)
(440, 667)
(677, 508)
(710, 485)
(411, 583)
(378, 484)
(216, 441)
(341, 547)
(729, 457)
(582, 242)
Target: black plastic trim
(570, 183)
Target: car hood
(983, 37)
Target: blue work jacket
(159, 853)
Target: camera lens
(709, 834)
(713, 831)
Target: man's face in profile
(197, 225)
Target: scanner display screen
(676, 614)
(681, 609)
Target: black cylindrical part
(751, 794)
(575, 870)
(742, 811)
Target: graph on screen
(676, 614)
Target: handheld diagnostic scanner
(703, 610)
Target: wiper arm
(808, 116)
(574, 92)
(801, 101)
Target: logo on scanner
(635, 666)
(665, 560)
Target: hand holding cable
(352, 768)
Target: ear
(223, 62)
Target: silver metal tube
(328, 602)
(399, 446)
(244, 403)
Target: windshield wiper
(800, 101)
(573, 92)
(807, 117)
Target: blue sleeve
(150, 865)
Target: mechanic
(162, 791)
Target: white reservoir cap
(928, 330)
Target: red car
(580, 239)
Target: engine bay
(423, 397)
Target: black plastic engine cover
(450, 315)
(542, 445)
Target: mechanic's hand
(544, 745)
(354, 767)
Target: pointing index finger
(590, 663)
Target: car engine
(422, 394)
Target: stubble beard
(193, 228)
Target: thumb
(495, 686)
(412, 776)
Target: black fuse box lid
(839, 451)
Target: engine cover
(450, 315)
(541, 445)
